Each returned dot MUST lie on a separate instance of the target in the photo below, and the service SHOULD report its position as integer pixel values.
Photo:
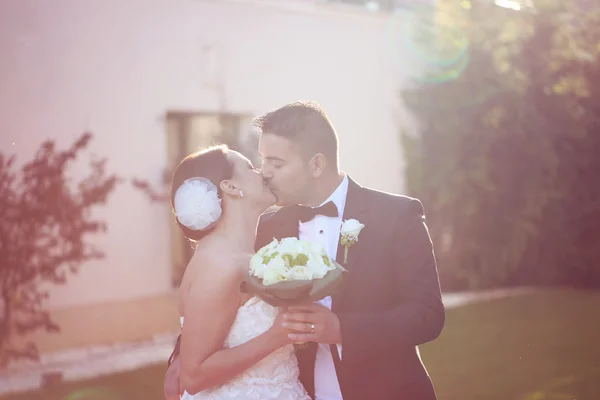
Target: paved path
(90, 362)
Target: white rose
(291, 246)
(272, 276)
(271, 246)
(315, 248)
(275, 271)
(268, 249)
(317, 267)
(256, 266)
(352, 228)
(276, 263)
(300, 272)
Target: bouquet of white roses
(292, 271)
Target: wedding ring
(312, 328)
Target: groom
(363, 341)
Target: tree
(505, 160)
(44, 223)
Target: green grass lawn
(540, 346)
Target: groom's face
(284, 169)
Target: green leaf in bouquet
(294, 261)
(300, 259)
(267, 259)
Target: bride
(232, 346)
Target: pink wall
(115, 67)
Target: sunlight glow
(513, 5)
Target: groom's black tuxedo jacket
(391, 303)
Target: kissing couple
(359, 344)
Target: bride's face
(250, 181)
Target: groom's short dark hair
(305, 123)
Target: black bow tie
(328, 209)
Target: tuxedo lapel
(356, 208)
(287, 224)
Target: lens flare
(443, 74)
(433, 49)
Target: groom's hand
(312, 323)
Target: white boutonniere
(349, 235)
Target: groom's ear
(317, 165)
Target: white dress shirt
(326, 230)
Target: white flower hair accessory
(197, 204)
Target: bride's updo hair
(210, 163)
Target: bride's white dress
(274, 377)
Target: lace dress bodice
(275, 377)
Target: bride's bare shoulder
(218, 260)
(210, 274)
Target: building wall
(116, 67)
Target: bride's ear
(227, 187)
